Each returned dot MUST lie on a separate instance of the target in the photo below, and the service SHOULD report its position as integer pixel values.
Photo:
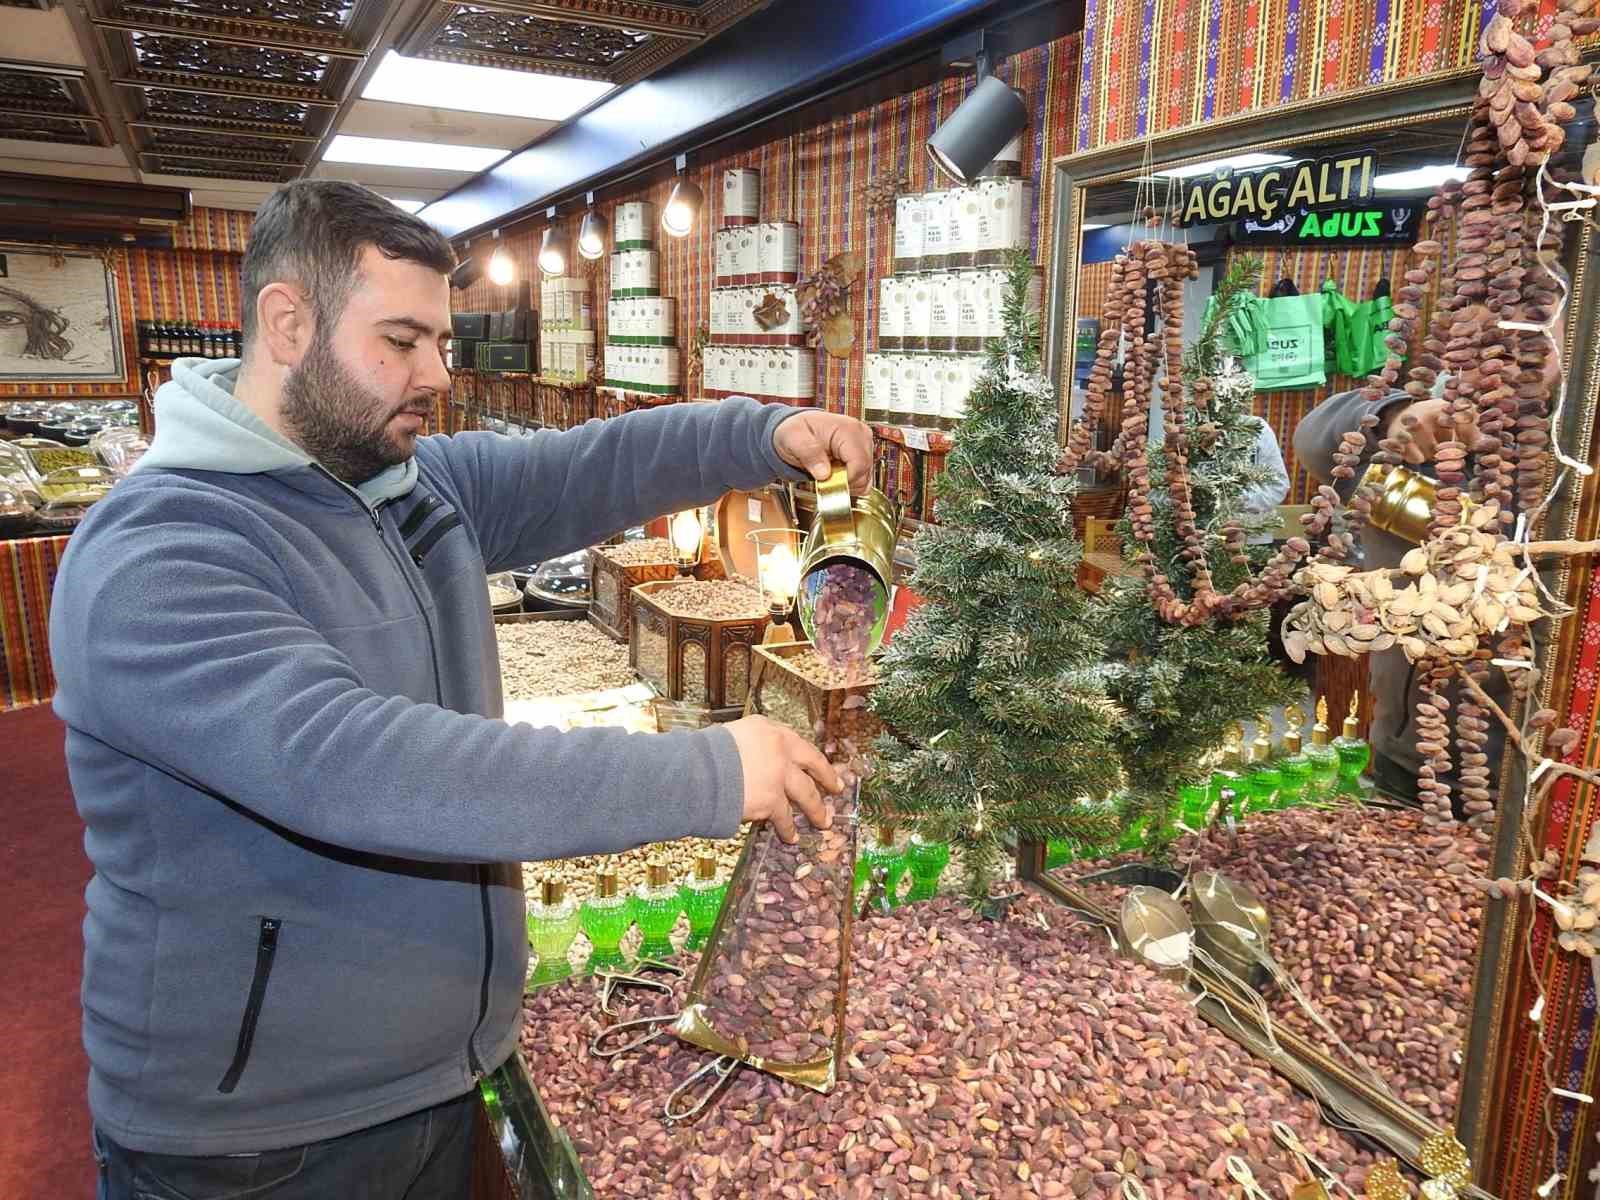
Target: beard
(339, 421)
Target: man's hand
(814, 441)
(1426, 434)
(782, 768)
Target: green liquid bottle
(605, 918)
(927, 861)
(552, 925)
(1263, 779)
(1324, 761)
(702, 900)
(657, 905)
(1229, 775)
(1294, 767)
(1194, 805)
(1132, 838)
(881, 850)
(1354, 755)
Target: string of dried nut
(1167, 265)
(1493, 278)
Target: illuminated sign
(1267, 193)
(1381, 223)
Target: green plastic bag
(1356, 332)
(1291, 350)
(1372, 331)
(1279, 341)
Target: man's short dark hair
(312, 233)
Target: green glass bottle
(1133, 836)
(1263, 778)
(1294, 767)
(1230, 774)
(1194, 805)
(1354, 755)
(605, 918)
(657, 905)
(927, 861)
(552, 926)
(1324, 761)
(881, 849)
(702, 900)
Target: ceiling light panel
(1239, 162)
(481, 89)
(390, 152)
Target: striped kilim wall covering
(818, 179)
(27, 573)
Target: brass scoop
(617, 1040)
(1315, 1189)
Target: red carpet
(44, 1116)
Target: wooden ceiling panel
(346, 27)
(617, 41)
(66, 131)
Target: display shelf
(931, 441)
(642, 399)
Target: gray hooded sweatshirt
(304, 815)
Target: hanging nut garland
(1167, 265)
(1495, 289)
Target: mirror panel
(1385, 984)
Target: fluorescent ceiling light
(1092, 225)
(388, 152)
(1239, 162)
(410, 206)
(1419, 178)
(457, 86)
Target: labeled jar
(970, 338)
(961, 233)
(918, 327)
(891, 313)
(741, 196)
(777, 252)
(944, 290)
(935, 231)
(909, 218)
(633, 226)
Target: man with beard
(277, 669)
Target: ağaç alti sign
(1264, 194)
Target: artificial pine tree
(1181, 686)
(994, 686)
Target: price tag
(755, 510)
(917, 439)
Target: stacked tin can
(566, 329)
(758, 343)
(641, 324)
(945, 303)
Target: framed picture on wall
(59, 319)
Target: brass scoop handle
(1239, 1171)
(719, 1069)
(601, 1044)
(835, 508)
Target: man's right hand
(1426, 434)
(782, 768)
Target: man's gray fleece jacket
(304, 815)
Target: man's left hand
(815, 441)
